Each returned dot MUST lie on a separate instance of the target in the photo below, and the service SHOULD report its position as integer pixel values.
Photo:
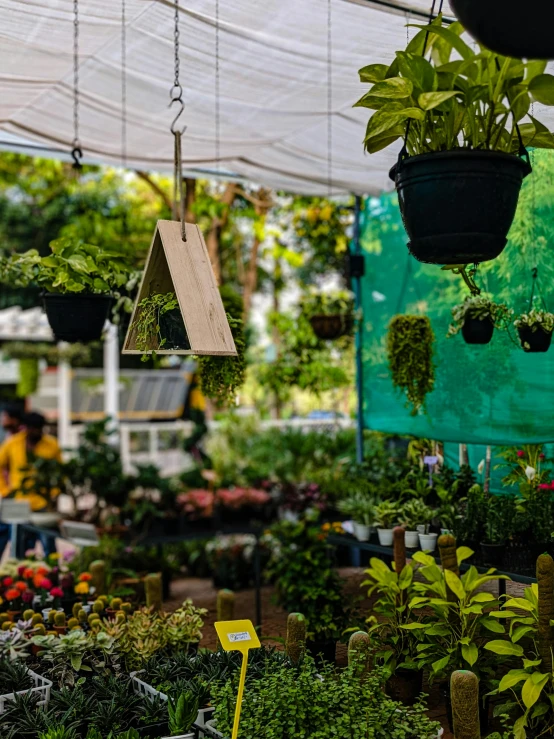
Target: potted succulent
(460, 113)
(508, 27)
(386, 516)
(80, 282)
(477, 317)
(331, 314)
(535, 330)
(415, 513)
(410, 342)
(361, 508)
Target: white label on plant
(430, 460)
(239, 636)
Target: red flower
(20, 585)
(541, 456)
(7, 581)
(12, 594)
(56, 593)
(520, 453)
(45, 583)
(27, 596)
(545, 486)
(21, 570)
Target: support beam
(111, 381)
(64, 400)
(357, 284)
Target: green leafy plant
(536, 320)
(415, 513)
(14, 677)
(182, 713)
(339, 302)
(410, 355)
(386, 514)
(221, 377)
(147, 324)
(454, 98)
(481, 308)
(72, 267)
(360, 507)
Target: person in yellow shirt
(15, 454)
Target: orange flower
(20, 585)
(42, 571)
(28, 574)
(85, 577)
(12, 594)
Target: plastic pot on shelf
(510, 27)
(428, 542)
(477, 331)
(458, 206)
(385, 537)
(412, 539)
(361, 531)
(77, 317)
(534, 342)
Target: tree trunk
(212, 237)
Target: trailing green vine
(410, 355)
(221, 377)
(147, 325)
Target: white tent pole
(111, 380)
(64, 399)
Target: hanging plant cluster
(331, 314)
(464, 117)
(535, 330)
(410, 342)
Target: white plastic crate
(142, 688)
(42, 690)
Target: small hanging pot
(330, 327)
(534, 341)
(77, 317)
(458, 206)
(510, 27)
(477, 331)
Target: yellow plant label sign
(237, 636)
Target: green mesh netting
(494, 394)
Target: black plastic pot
(322, 651)
(510, 27)
(172, 329)
(537, 341)
(405, 686)
(76, 317)
(493, 554)
(477, 331)
(331, 327)
(458, 206)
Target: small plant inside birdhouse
(159, 325)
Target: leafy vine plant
(147, 325)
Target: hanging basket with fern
(410, 343)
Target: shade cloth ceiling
(273, 83)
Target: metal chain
(123, 85)
(76, 152)
(329, 101)
(217, 92)
(176, 95)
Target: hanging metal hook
(177, 98)
(77, 155)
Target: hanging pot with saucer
(477, 330)
(329, 327)
(457, 206)
(77, 317)
(510, 27)
(534, 340)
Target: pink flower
(56, 593)
(200, 500)
(541, 456)
(520, 453)
(545, 486)
(45, 583)
(258, 497)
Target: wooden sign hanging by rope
(183, 267)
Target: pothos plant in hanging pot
(331, 314)
(510, 27)
(535, 330)
(410, 342)
(80, 283)
(464, 118)
(477, 317)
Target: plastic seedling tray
(42, 690)
(142, 688)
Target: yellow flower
(54, 556)
(326, 527)
(82, 588)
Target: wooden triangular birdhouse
(183, 268)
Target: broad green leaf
(50, 261)
(455, 584)
(418, 601)
(520, 631)
(378, 143)
(540, 709)
(440, 664)
(499, 646)
(470, 653)
(430, 100)
(503, 614)
(373, 73)
(542, 89)
(396, 88)
(78, 263)
(418, 70)
(370, 101)
(520, 603)
(405, 578)
(512, 678)
(437, 630)
(528, 663)
(482, 597)
(519, 727)
(424, 559)
(455, 41)
(491, 624)
(413, 626)
(532, 688)
(475, 608)
(534, 69)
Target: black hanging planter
(458, 206)
(77, 317)
(477, 331)
(329, 327)
(172, 329)
(538, 341)
(510, 27)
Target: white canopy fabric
(273, 82)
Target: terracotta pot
(14, 615)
